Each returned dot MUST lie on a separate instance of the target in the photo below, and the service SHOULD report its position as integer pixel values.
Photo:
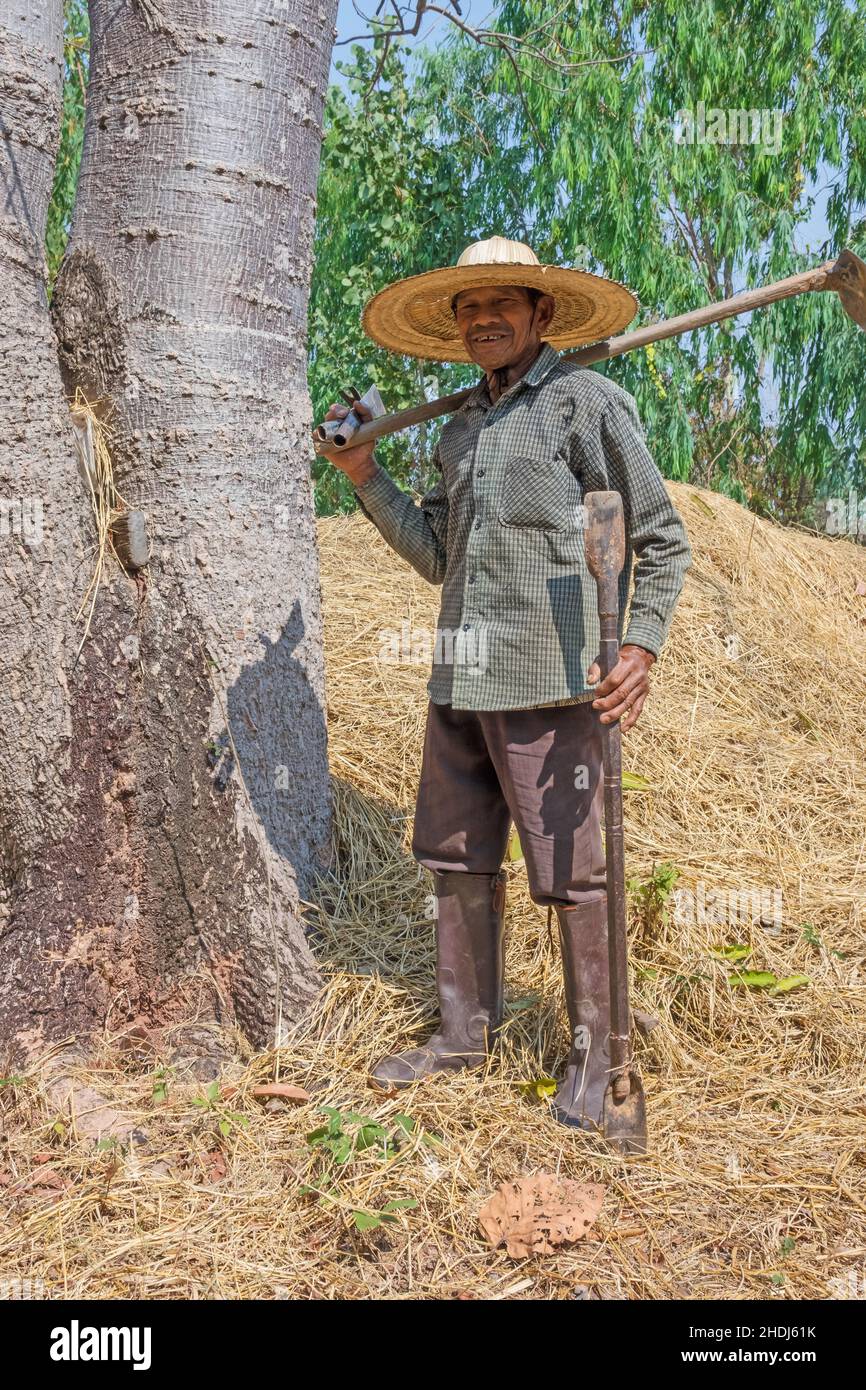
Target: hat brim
(413, 316)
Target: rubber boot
(579, 1102)
(470, 976)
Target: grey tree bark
(186, 805)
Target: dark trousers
(541, 769)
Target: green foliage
(76, 40)
(341, 1140)
(390, 203)
(347, 1135)
(584, 164)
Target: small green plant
(12, 1080)
(348, 1134)
(369, 1220)
(345, 1136)
(653, 896)
(111, 1144)
(160, 1084)
(226, 1119)
(811, 936)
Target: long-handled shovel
(846, 276)
(624, 1124)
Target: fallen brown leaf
(536, 1215)
(283, 1091)
(216, 1168)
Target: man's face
(499, 324)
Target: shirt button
(472, 578)
(478, 526)
(465, 627)
(481, 472)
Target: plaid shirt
(502, 531)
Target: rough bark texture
(42, 511)
(196, 800)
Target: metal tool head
(848, 279)
(624, 1123)
(604, 536)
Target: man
(513, 720)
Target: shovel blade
(624, 1123)
(848, 279)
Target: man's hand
(358, 463)
(625, 689)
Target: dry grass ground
(752, 749)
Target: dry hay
(753, 1188)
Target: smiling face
(500, 325)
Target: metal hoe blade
(625, 1126)
(848, 279)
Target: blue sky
(434, 27)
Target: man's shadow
(278, 727)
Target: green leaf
(335, 1119)
(342, 1148)
(634, 782)
(790, 982)
(365, 1220)
(516, 1006)
(225, 1127)
(515, 849)
(753, 979)
(731, 952)
(541, 1088)
(401, 1204)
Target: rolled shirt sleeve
(417, 531)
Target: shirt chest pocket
(540, 494)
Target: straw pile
(751, 754)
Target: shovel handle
(604, 546)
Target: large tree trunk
(195, 806)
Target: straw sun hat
(413, 316)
